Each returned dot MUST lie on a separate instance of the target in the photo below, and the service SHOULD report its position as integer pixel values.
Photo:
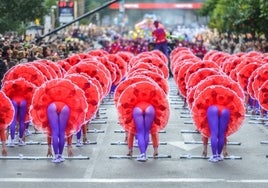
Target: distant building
(70, 9)
(170, 12)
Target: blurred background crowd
(120, 34)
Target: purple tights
(20, 114)
(58, 123)
(143, 122)
(79, 134)
(218, 123)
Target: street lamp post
(53, 18)
(121, 14)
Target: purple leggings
(218, 123)
(79, 134)
(143, 122)
(163, 47)
(58, 123)
(20, 114)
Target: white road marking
(182, 145)
(158, 180)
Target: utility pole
(77, 19)
(76, 12)
(121, 14)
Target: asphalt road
(92, 165)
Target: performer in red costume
(19, 84)
(199, 49)
(160, 38)
(93, 97)
(143, 109)
(115, 46)
(7, 113)
(20, 92)
(218, 112)
(146, 24)
(59, 109)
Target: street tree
(15, 13)
(240, 16)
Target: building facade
(169, 12)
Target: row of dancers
(218, 90)
(61, 98)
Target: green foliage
(208, 7)
(91, 5)
(264, 8)
(50, 3)
(239, 16)
(13, 13)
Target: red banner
(158, 6)
(66, 4)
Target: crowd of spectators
(15, 50)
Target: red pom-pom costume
(262, 95)
(180, 78)
(156, 61)
(120, 62)
(27, 71)
(222, 80)
(161, 81)
(95, 71)
(222, 97)
(145, 66)
(6, 111)
(129, 81)
(98, 52)
(60, 91)
(7, 114)
(244, 74)
(64, 64)
(56, 68)
(199, 65)
(125, 55)
(113, 69)
(259, 79)
(91, 92)
(196, 78)
(43, 68)
(19, 90)
(149, 93)
(184, 57)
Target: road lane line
(158, 180)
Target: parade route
(179, 166)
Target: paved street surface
(249, 169)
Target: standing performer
(160, 39)
(199, 49)
(115, 46)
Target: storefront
(170, 12)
